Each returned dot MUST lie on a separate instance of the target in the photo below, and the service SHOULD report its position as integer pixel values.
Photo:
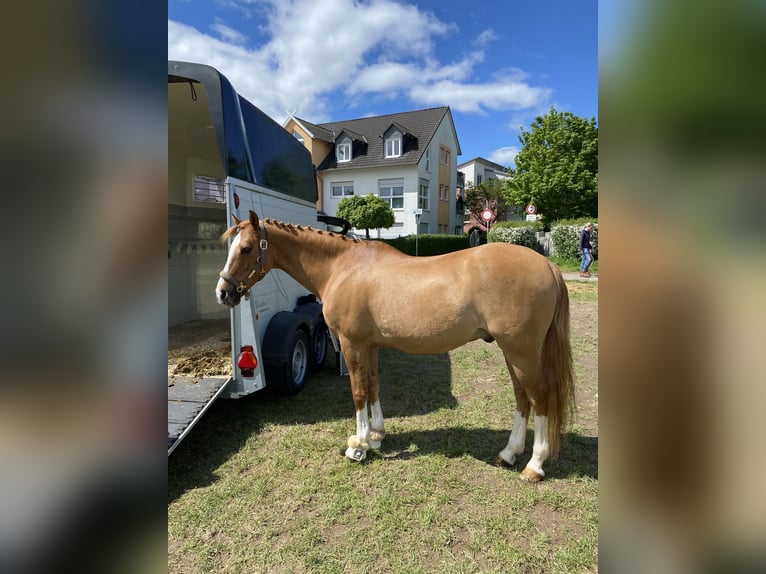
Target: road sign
(531, 209)
(486, 215)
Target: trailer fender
(279, 336)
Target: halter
(241, 286)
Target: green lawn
(261, 484)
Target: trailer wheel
(319, 342)
(298, 363)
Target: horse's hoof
(505, 458)
(376, 438)
(356, 454)
(529, 475)
(500, 461)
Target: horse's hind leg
(517, 440)
(378, 431)
(528, 375)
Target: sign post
(418, 212)
(486, 215)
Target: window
(445, 156)
(428, 159)
(392, 191)
(394, 146)
(209, 189)
(343, 189)
(478, 179)
(343, 151)
(444, 192)
(298, 136)
(423, 195)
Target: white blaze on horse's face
(222, 288)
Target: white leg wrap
(517, 440)
(378, 431)
(358, 444)
(541, 449)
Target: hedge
(516, 232)
(429, 244)
(565, 235)
(565, 238)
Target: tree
(486, 195)
(557, 167)
(366, 212)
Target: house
(478, 170)
(408, 159)
(475, 172)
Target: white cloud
(486, 37)
(308, 52)
(504, 156)
(478, 98)
(227, 33)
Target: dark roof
(317, 131)
(486, 162)
(353, 135)
(420, 127)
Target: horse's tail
(557, 364)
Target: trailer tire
(298, 363)
(320, 341)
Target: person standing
(586, 245)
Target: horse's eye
(245, 250)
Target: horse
(375, 296)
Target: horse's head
(245, 263)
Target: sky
(497, 64)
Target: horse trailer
(226, 157)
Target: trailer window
(209, 189)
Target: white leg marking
(541, 449)
(378, 430)
(516, 441)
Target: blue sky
(497, 63)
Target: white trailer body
(227, 157)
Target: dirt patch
(200, 349)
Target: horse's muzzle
(226, 294)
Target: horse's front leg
(358, 363)
(378, 431)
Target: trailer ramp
(188, 399)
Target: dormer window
(394, 145)
(343, 151)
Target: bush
(516, 232)
(565, 238)
(429, 244)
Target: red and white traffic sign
(486, 215)
(531, 209)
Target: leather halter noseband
(241, 286)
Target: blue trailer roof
(253, 147)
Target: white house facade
(479, 170)
(408, 159)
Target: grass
(261, 485)
(571, 265)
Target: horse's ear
(236, 219)
(253, 218)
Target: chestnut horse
(375, 296)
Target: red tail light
(247, 361)
(236, 200)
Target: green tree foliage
(557, 167)
(488, 194)
(366, 212)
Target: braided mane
(294, 228)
